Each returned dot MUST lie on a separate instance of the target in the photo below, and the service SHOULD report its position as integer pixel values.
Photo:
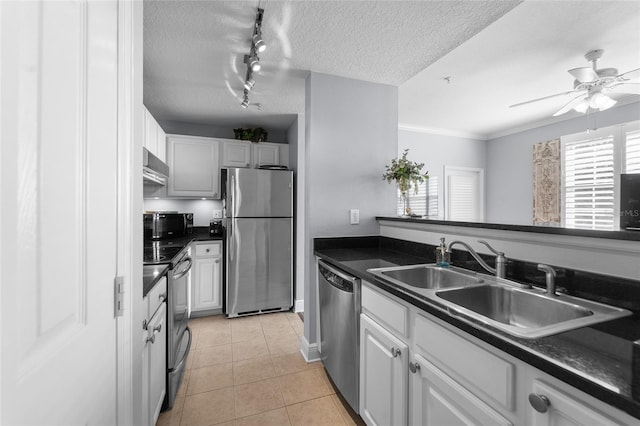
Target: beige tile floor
(249, 371)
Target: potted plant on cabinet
(405, 174)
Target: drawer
(156, 296)
(209, 249)
(461, 359)
(386, 311)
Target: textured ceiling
(522, 56)
(497, 53)
(193, 51)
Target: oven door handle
(178, 275)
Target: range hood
(154, 170)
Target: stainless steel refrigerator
(259, 241)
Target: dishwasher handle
(337, 278)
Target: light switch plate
(354, 216)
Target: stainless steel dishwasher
(339, 300)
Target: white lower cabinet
(431, 373)
(437, 399)
(206, 277)
(550, 406)
(383, 375)
(154, 353)
(157, 354)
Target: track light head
(249, 83)
(245, 102)
(258, 42)
(254, 63)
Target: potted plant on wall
(405, 174)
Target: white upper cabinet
(265, 153)
(154, 136)
(236, 154)
(194, 167)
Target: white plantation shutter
(464, 194)
(589, 183)
(632, 153)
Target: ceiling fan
(592, 86)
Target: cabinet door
(265, 153)
(194, 169)
(157, 349)
(161, 149)
(207, 291)
(562, 409)
(150, 133)
(236, 154)
(437, 399)
(383, 375)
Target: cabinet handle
(540, 403)
(414, 367)
(215, 195)
(151, 339)
(157, 329)
(396, 352)
(207, 250)
(216, 261)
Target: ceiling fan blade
(575, 101)
(628, 88)
(629, 72)
(584, 75)
(546, 97)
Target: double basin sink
(507, 306)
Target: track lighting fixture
(252, 60)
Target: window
(592, 163)
(425, 202)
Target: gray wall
(351, 133)
(437, 151)
(509, 174)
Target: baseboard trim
(298, 306)
(309, 351)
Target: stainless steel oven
(179, 334)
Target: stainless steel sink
(428, 276)
(527, 313)
(497, 303)
(514, 307)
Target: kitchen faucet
(550, 275)
(501, 260)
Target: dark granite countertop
(151, 274)
(597, 359)
(614, 235)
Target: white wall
(509, 175)
(437, 151)
(350, 134)
(202, 209)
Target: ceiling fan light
(605, 102)
(582, 107)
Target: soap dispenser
(442, 255)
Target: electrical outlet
(354, 216)
(217, 214)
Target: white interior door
(58, 212)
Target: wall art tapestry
(547, 189)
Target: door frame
(130, 204)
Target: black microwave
(630, 201)
(160, 225)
